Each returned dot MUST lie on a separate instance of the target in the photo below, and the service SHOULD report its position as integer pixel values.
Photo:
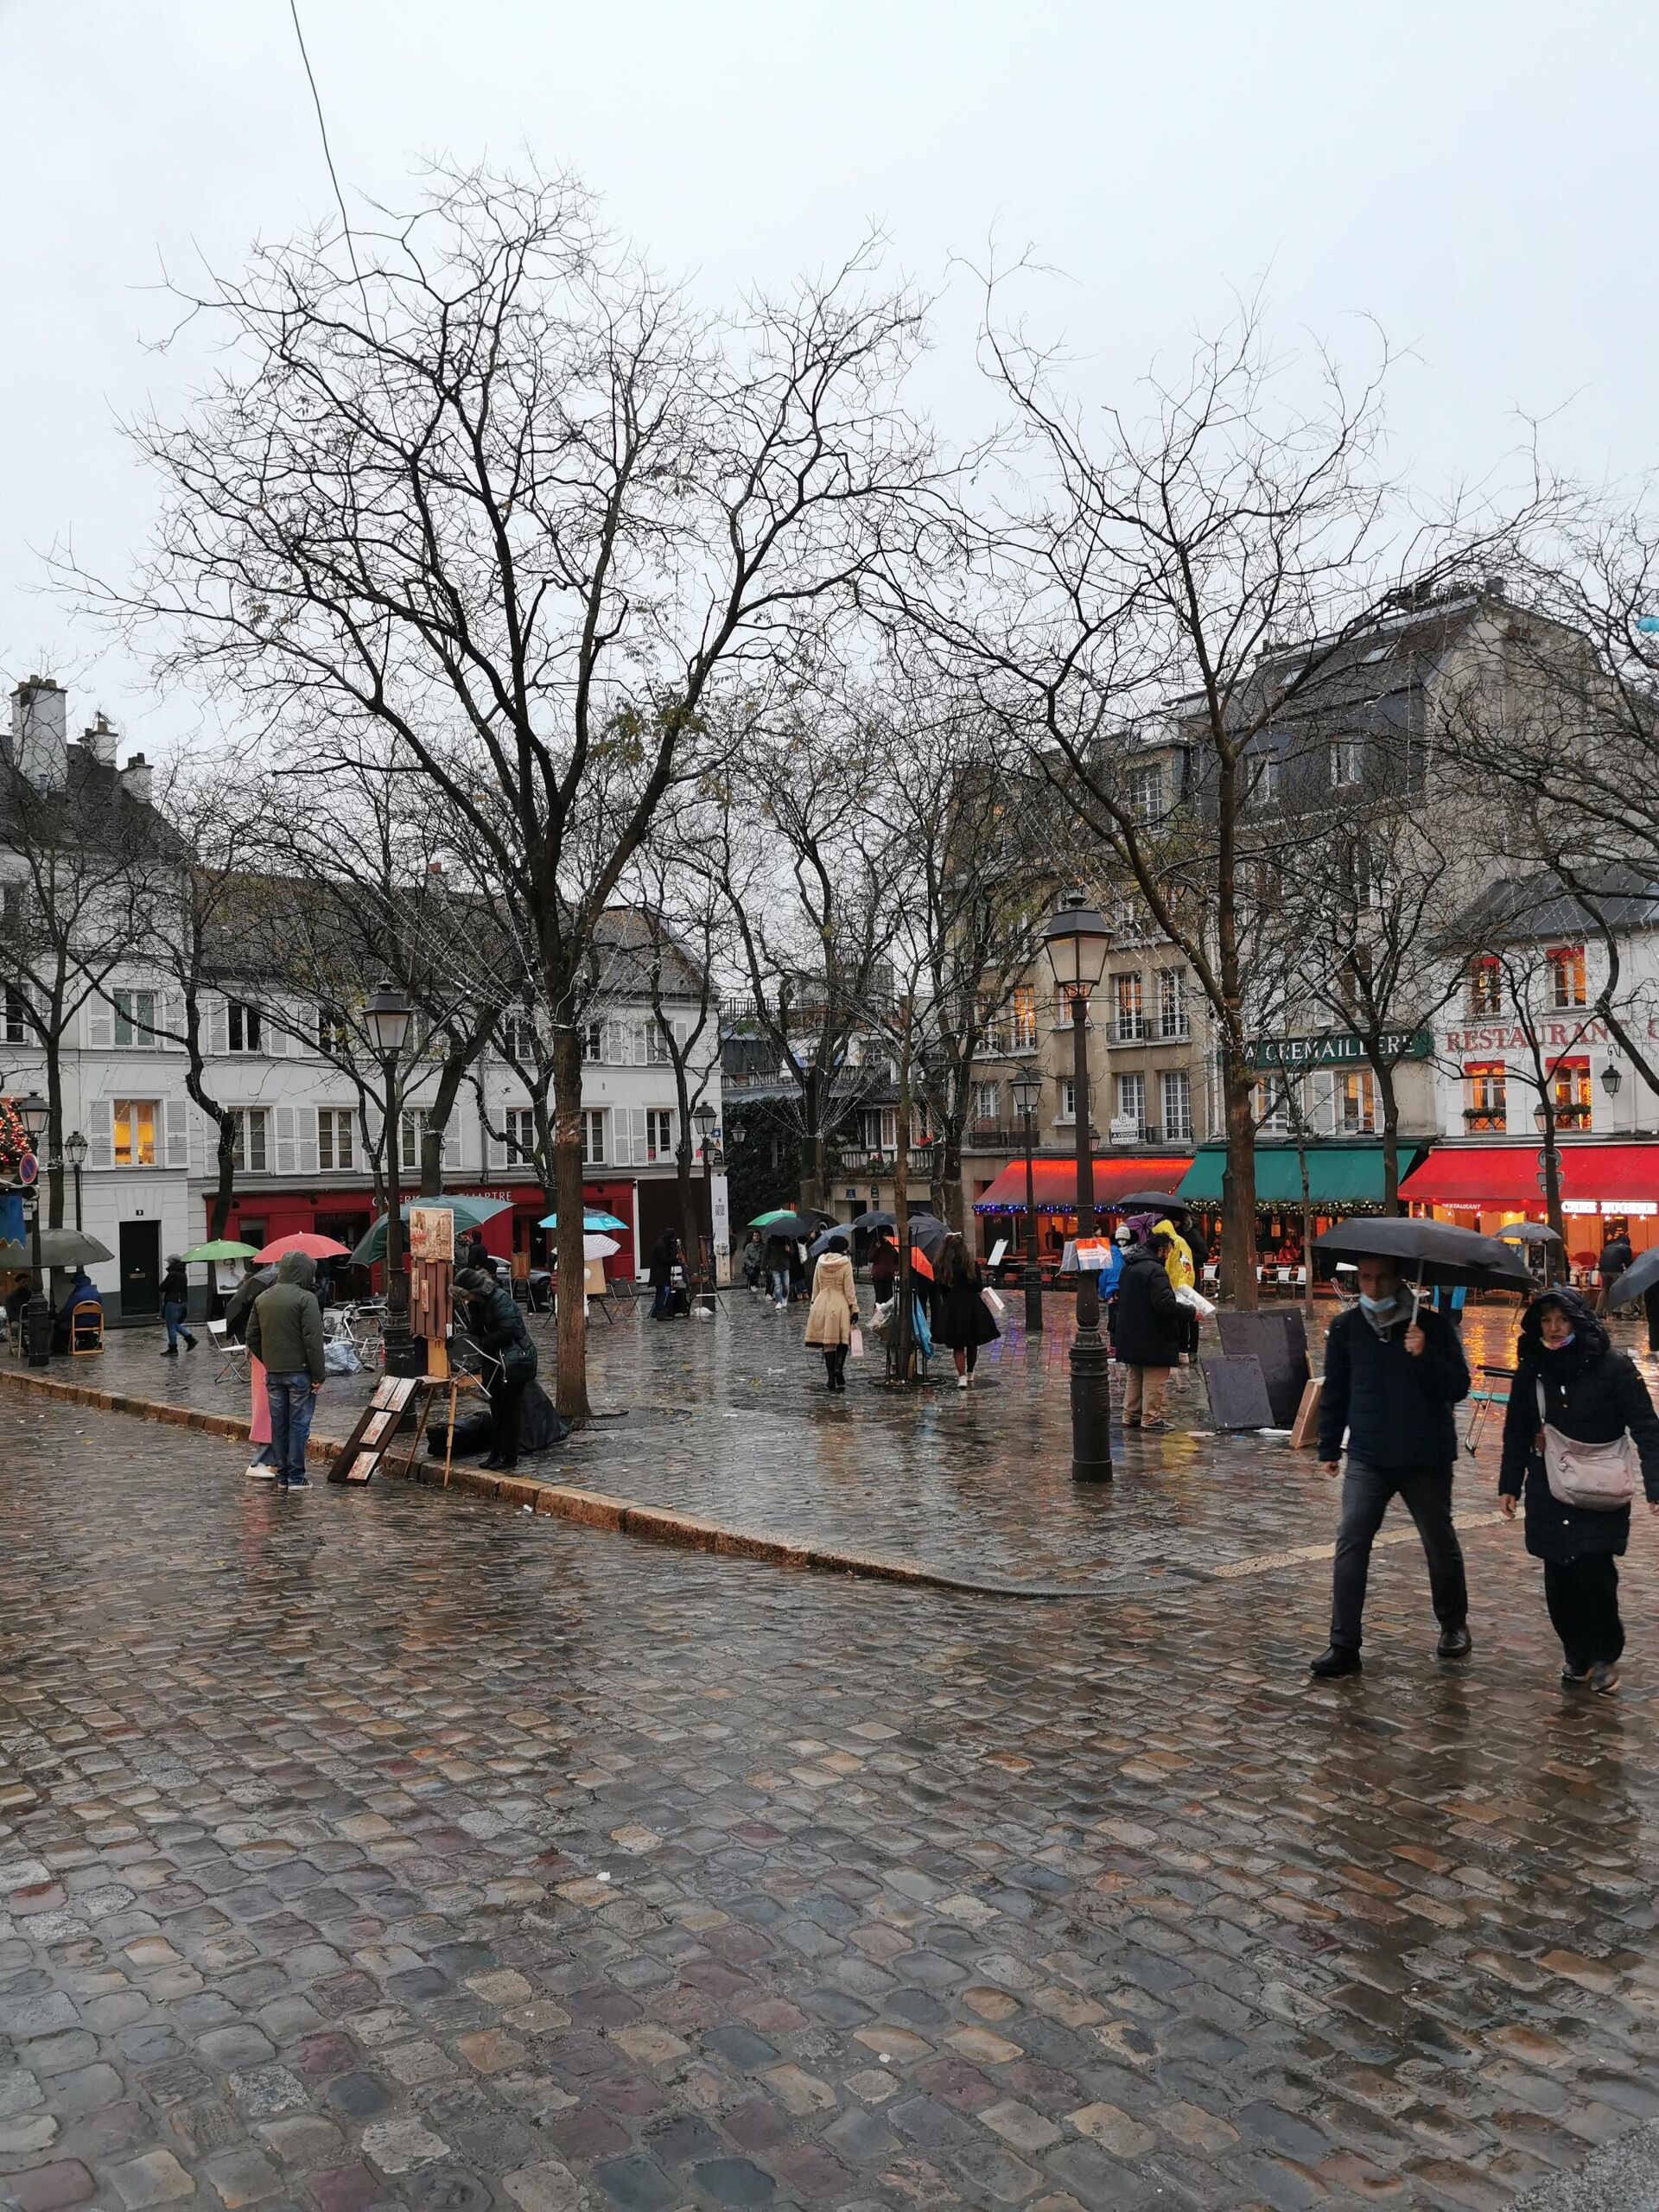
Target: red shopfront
(519, 1228)
(1486, 1186)
(258, 1218)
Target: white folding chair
(230, 1358)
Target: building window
(1345, 761)
(243, 1026)
(520, 1123)
(984, 1105)
(16, 1020)
(1486, 1081)
(1175, 1087)
(1022, 1019)
(333, 1033)
(657, 1043)
(1355, 1102)
(519, 1038)
(135, 1017)
(592, 1041)
(135, 1132)
(660, 1133)
(1131, 1117)
(1569, 1091)
(592, 1136)
(1486, 984)
(1566, 965)
(335, 1138)
(1171, 1004)
(1146, 794)
(1068, 1100)
(1270, 1105)
(248, 1150)
(1131, 1021)
(1264, 777)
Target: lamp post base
(1032, 1283)
(1091, 1409)
(404, 1354)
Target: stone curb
(588, 1509)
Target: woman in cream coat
(835, 1311)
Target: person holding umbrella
(1392, 1375)
(834, 1315)
(1571, 1388)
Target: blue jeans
(172, 1314)
(780, 1285)
(291, 1399)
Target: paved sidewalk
(387, 1848)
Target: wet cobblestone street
(394, 1847)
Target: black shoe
(191, 1342)
(1454, 1643)
(1575, 1678)
(1335, 1661)
(172, 1352)
(297, 1482)
(1604, 1677)
(491, 1463)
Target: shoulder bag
(1600, 1477)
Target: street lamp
(1075, 937)
(386, 1016)
(1611, 1076)
(74, 1151)
(704, 1115)
(1027, 1089)
(36, 1115)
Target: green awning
(1338, 1174)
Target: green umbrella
(218, 1248)
(470, 1213)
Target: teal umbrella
(470, 1213)
(593, 1224)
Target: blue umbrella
(593, 1224)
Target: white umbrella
(599, 1247)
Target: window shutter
(169, 1016)
(449, 1152)
(100, 1029)
(637, 1121)
(200, 1148)
(100, 1133)
(286, 1140)
(639, 1038)
(495, 1149)
(613, 1043)
(307, 1116)
(619, 1150)
(681, 1031)
(176, 1121)
(219, 1024)
(273, 1037)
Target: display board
(359, 1457)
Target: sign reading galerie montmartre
(1339, 1050)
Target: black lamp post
(1075, 937)
(704, 1115)
(34, 1113)
(386, 1016)
(74, 1151)
(1027, 1089)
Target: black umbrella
(1528, 1232)
(820, 1244)
(1149, 1202)
(1427, 1251)
(928, 1232)
(874, 1219)
(1640, 1275)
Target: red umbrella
(304, 1240)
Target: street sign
(28, 1168)
(1543, 1179)
(1543, 1159)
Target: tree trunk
(690, 1226)
(437, 1121)
(1390, 1140)
(1555, 1254)
(224, 1190)
(901, 1344)
(1238, 1187)
(1307, 1231)
(54, 1128)
(572, 1334)
(953, 1198)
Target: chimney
(100, 739)
(40, 738)
(135, 778)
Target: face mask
(1561, 1342)
(1378, 1304)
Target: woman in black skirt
(962, 1319)
(1593, 1395)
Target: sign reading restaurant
(1341, 1049)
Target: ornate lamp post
(34, 1115)
(386, 1016)
(74, 1151)
(1076, 939)
(1027, 1089)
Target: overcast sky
(1478, 175)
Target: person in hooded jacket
(1149, 1332)
(497, 1327)
(1594, 1395)
(285, 1332)
(834, 1315)
(1182, 1275)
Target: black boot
(1336, 1661)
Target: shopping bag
(994, 1302)
(855, 1345)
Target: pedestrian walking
(1149, 1333)
(1392, 1376)
(1571, 1388)
(285, 1333)
(884, 1267)
(961, 1317)
(834, 1314)
(175, 1303)
(497, 1327)
(664, 1255)
(474, 1254)
(1616, 1255)
(754, 1261)
(777, 1257)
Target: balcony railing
(1485, 1120)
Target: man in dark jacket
(1616, 1255)
(1391, 1379)
(1148, 1335)
(285, 1333)
(498, 1329)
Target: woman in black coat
(1593, 1393)
(498, 1329)
(961, 1317)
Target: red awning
(1055, 1182)
(1612, 1176)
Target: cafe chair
(85, 1328)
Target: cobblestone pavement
(390, 1847)
(729, 1420)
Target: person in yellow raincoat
(1177, 1266)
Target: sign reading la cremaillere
(1340, 1049)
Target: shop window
(1566, 966)
(1569, 1091)
(1486, 1108)
(1486, 984)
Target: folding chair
(230, 1358)
(1483, 1400)
(85, 1328)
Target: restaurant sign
(1341, 1049)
